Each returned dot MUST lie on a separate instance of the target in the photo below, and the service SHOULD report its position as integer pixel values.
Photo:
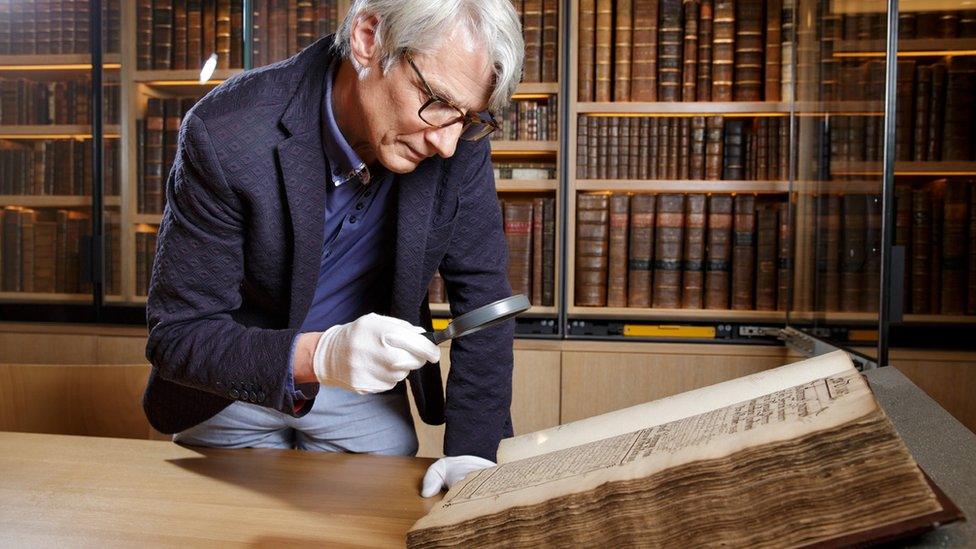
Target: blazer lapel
(304, 173)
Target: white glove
(447, 471)
(371, 354)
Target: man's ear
(363, 40)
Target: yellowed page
(671, 408)
(783, 414)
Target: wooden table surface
(88, 491)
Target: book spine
(852, 256)
(904, 115)
(955, 228)
(766, 269)
(748, 57)
(694, 253)
(194, 34)
(617, 276)
(718, 252)
(641, 250)
(734, 150)
(154, 156)
(237, 31)
(669, 51)
(604, 50)
(872, 254)
(548, 252)
(518, 232)
(622, 53)
(971, 280)
(643, 85)
(937, 101)
(208, 25)
(550, 41)
(532, 34)
(714, 147)
(180, 29)
(774, 50)
(668, 251)
(697, 162)
(690, 56)
(162, 17)
(960, 110)
(706, 17)
(723, 50)
(582, 146)
(744, 252)
(787, 52)
(592, 247)
(538, 204)
(923, 91)
(586, 65)
(222, 34)
(937, 197)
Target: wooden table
(87, 491)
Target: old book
(171, 130)
(960, 111)
(706, 17)
(592, 247)
(604, 50)
(603, 146)
(180, 29)
(582, 146)
(689, 72)
(723, 50)
(923, 91)
(696, 164)
(872, 254)
(208, 24)
(622, 49)
(532, 34)
(44, 253)
(955, 220)
(937, 191)
(144, 35)
(162, 17)
(595, 126)
(852, 252)
(237, 30)
(518, 233)
(714, 150)
(623, 148)
(259, 32)
(784, 257)
(222, 34)
(634, 156)
(548, 251)
(617, 268)
(643, 85)
(586, 66)
(668, 244)
(640, 250)
(828, 252)
(766, 252)
(748, 57)
(903, 236)
(788, 31)
(12, 252)
(734, 150)
(904, 114)
(154, 158)
(693, 260)
(774, 50)
(937, 101)
(643, 148)
(27, 219)
(669, 51)
(744, 252)
(684, 148)
(194, 34)
(550, 40)
(636, 475)
(538, 205)
(653, 147)
(719, 251)
(662, 152)
(674, 148)
(613, 147)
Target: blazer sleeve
(195, 287)
(475, 273)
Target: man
(308, 207)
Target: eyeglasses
(440, 113)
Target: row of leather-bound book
(698, 147)
(529, 120)
(182, 34)
(145, 256)
(936, 116)
(43, 251)
(54, 26)
(158, 136)
(55, 167)
(28, 101)
(540, 30)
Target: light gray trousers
(339, 421)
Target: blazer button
(234, 393)
(252, 396)
(261, 396)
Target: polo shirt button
(234, 393)
(352, 219)
(359, 206)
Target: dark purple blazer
(239, 250)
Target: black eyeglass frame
(466, 118)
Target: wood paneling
(598, 382)
(76, 399)
(950, 379)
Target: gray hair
(421, 25)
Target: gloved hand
(371, 354)
(447, 471)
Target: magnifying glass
(480, 318)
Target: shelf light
(209, 66)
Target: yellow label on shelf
(663, 330)
(440, 323)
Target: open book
(798, 455)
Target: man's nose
(445, 139)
